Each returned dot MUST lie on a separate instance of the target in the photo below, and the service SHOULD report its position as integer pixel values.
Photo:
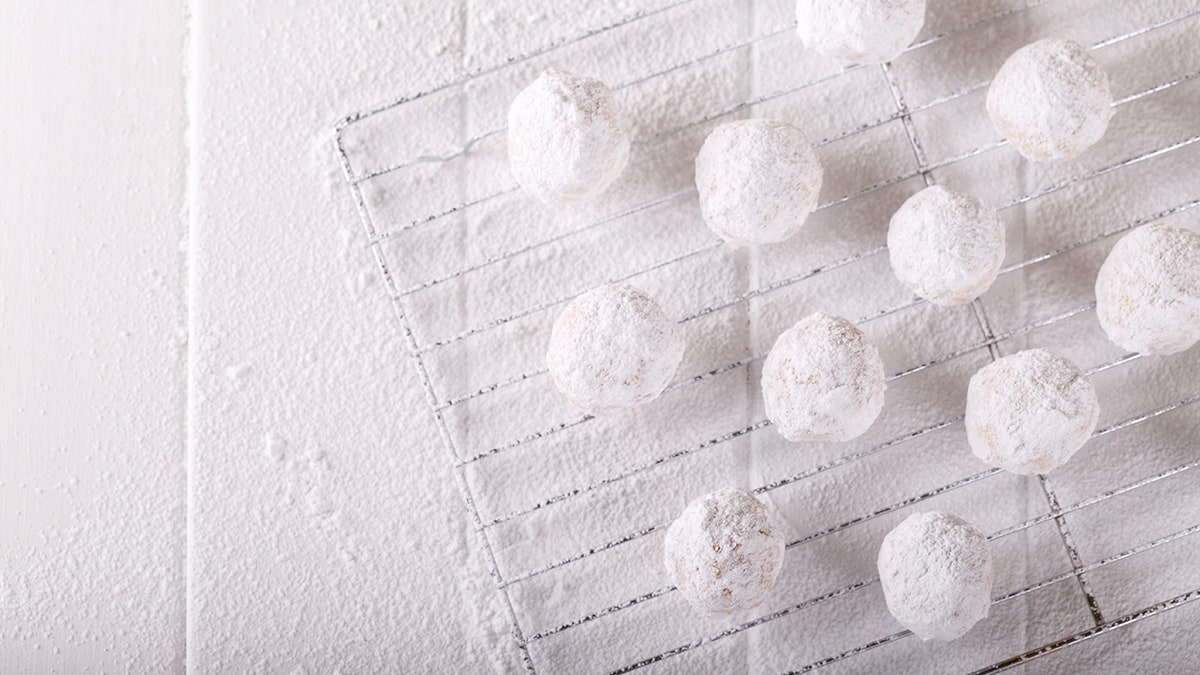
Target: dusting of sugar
(566, 139)
(613, 348)
(864, 31)
(1029, 412)
(946, 246)
(724, 553)
(1148, 290)
(936, 572)
(238, 374)
(1051, 100)
(274, 447)
(823, 380)
(758, 180)
(99, 556)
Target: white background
(213, 451)
(181, 270)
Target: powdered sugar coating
(758, 180)
(823, 380)
(946, 246)
(1051, 100)
(936, 573)
(614, 348)
(566, 139)
(1148, 290)
(1028, 413)
(864, 31)
(724, 553)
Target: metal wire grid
(990, 341)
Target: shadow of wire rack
(571, 509)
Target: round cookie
(1148, 290)
(863, 31)
(946, 246)
(566, 139)
(614, 348)
(936, 573)
(823, 381)
(723, 552)
(1051, 100)
(758, 181)
(1028, 413)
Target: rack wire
(362, 171)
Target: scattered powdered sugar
(1051, 100)
(758, 180)
(723, 552)
(864, 31)
(566, 139)
(936, 573)
(823, 380)
(1148, 290)
(946, 246)
(1029, 412)
(613, 348)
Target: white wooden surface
(93, 336)
(326, 531)
(198, 366)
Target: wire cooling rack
(570, 508)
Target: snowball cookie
(613, 348)
(758, 180)
(823, 381)
(1051, 100)
(1148, 290)
(1029, 412)
(946, 246)
(936, 573)
(863, 31)
(723, 552)
(566, 140)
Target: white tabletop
(215, 454)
